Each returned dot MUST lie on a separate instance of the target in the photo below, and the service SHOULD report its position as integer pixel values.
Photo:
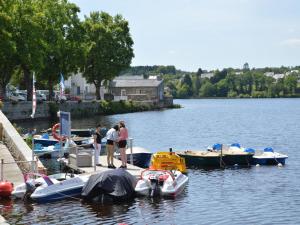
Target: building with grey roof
(137, 89)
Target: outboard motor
(155, 189)
(30, 188)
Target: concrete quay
(134, 170)
(16, 153)
(11, 172)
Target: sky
(208, 34)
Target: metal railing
(34, 166)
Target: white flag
(33, 97)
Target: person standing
(97, 144)
(123, 136)
(112, 138)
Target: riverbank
(46, 110)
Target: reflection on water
(256, 195)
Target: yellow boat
(168, 161)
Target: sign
(65, 124)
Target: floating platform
(134, 170)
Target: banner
(65, 124)
(33, 97)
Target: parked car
(40, 97)
(16, 97)
(75, 98)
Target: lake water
(256, 195)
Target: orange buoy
(5, 188)
(55, 135)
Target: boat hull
(203, 161)
(59, 195)
(268, 161)
(139, 159)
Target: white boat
(161, 183)
(30, 179)
(57, 191)
(268, 157)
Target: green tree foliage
(234, 83)
(108, 47)
(8, 51)
(28, 37)
(63, 39)
(207, 90)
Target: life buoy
(55, 135)
(5, 188)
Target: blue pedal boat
(269, 157)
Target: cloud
(292, 42)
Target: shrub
(53, 109)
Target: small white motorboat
(269, 157)
(34, 180)
(161, 183)
(57, 191)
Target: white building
(269, 74)
(80, 87)
(207, 75)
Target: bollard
(2, 166)
(95, 167)
(131, 156)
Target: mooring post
(95, 156)
(32, 162)
(131, 156)
(221, 157)
(2, 166)
(1, 131)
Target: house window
(78, 90)
(123, 92)
(139, 91)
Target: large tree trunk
(50, 88)
(98, 85)
(3, 91)
(28, 81)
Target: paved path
(134, 170)
(11, 172)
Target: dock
(133, 170)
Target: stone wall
(23, 110)
(16, 145)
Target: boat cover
(118, 184)
(268, 149)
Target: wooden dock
(11, 172)
(134, 170)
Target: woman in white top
(112, 137)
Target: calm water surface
(257, 195)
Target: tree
(290, 84)
(108, 47)
(8, 62)
(63, 39)
(199, 72)
(222, 88)
(27, 35)
(207, 90)
(219, 75)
